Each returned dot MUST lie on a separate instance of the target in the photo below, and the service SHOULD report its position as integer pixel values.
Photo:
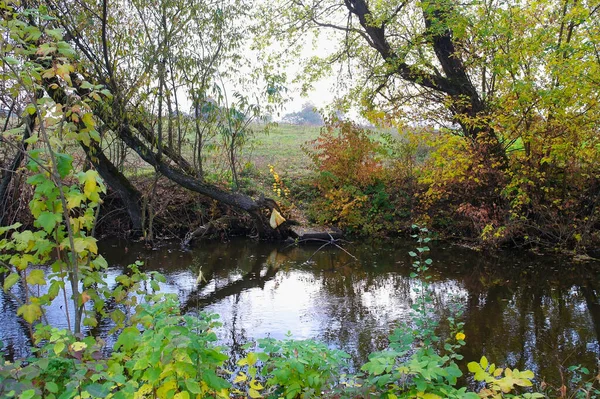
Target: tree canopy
(510, 89)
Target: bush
(352, 180)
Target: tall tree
(516, 83)
(448, 62)
(143, 51)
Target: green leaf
(10, 280)
(28, 394)
(90, 322)
(65, 49)
(97, 390)
(54, 289)
(56, 34)
(47, 220)
(36, 276)
(4, 229)
(32, 140)
(128, 339)
(59, 347)
(11, 60)
(193, 387)
(214, 381)
(64, 164)
(30, 109)
(51, 387)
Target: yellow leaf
(10, 281)
(527, 374)
(36, 276)
(63, 70)
(74, 200)
(182, 395)
(165, 388)
(80, 244)
(90, 183)
(241, 377)
(91, 244)
(30, 312)
(143, 391)
(256, 385)
(254, 394)
(252, 358)
(484, 362)
(78, 346)
(276, 219)
(59, 347)
(88, 119)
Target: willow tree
(515, 82)
(146, 54)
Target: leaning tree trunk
(131, 197)
(16, 163)
(127, 124)
(116, 180)
(123, 128)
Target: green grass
(282, 148)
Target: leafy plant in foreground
(292, 368)
(162, 354)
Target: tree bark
(131, 197)
(467, 106)
(16, 163)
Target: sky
(323, 92)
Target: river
(520, 309)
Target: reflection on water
(521, 310)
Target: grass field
(282, 148)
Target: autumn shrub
(461, 187)
(351, 179)
(553, 189)
(542, 190)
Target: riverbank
(371, 184)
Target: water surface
(520, 310)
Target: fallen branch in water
(331, 241)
